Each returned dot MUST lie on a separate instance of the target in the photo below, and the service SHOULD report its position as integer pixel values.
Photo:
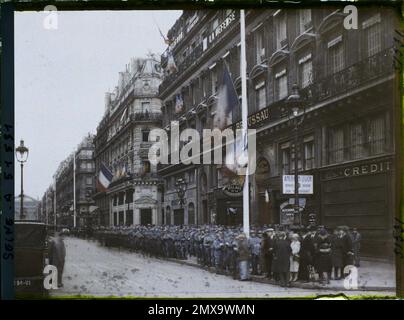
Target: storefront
(361, 195)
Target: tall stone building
(348, 136)
(64, 184)
(122, 144)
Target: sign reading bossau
(305, 184)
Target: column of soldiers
(275, 252)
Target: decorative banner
(305, 184)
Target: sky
(61, 76)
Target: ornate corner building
(122, 145)
(347, 141)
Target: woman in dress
(294, 257)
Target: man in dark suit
(281, 259)
(269, 248)
(307, 251)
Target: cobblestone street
(91, 269)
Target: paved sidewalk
(374, 275)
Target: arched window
(146, 166)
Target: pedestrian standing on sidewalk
(281, 259)
(348, 250)
(218, 246)
(295, 257)
(306, 255)
(264, 253)
(57, 254)
(337, 253)
(243, 255)
(255, 248)
(270, 252)
(324, 262)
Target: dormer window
(305, 70)
(259, 46)
(304, 20)
(280, 27)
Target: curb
(310, 286)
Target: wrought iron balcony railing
(146, 116)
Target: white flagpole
(244, 115)
(54, 218)
(74, 189)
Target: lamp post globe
(21, 152)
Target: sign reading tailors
(305, 184)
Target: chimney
(107, 100)
(121, 81)
(133, 69)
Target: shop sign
(367, 169)
(287, 210)
(234, 186)
(359, 170)
(305, 184)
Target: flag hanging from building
(227, 101)
(104, 178)
(179, 103)
(171, 66)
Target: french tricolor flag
(104, 178)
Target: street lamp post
(296, 114)
(181, 185)
(21, 153)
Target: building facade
(78, 166)
(347, 139)
(122, 145)
(31, 208)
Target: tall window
(357, 141)
(309, 155)
(281, 84)
(280, 27)
(145, 107)
(145, 135)
(214, 80)
(373, 37)
(336, 61)
(260, 92)
(146, 167)
(377, 135)
(191, 213)
(285, 158)
(259, 46)
(336, 145)
(304, 20)
(306, 71)
(191, 177)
